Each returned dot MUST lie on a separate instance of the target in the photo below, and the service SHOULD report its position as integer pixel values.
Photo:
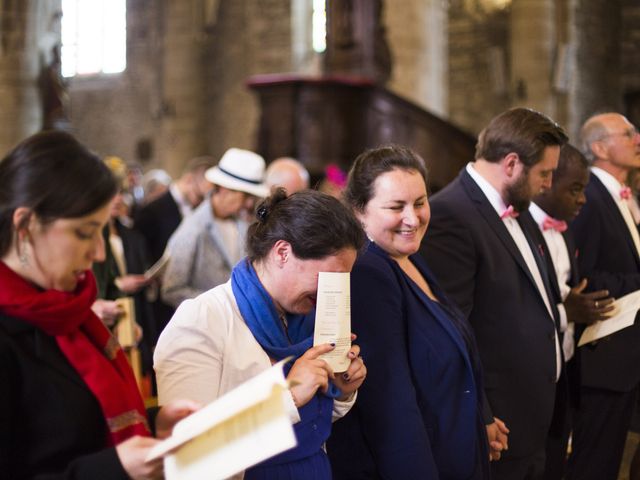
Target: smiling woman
(418, 414)
(69, 405)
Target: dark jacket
(52, 425)
(418, 414)
(480, 267)
(608, 258)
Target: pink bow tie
(553, 224)
(509, 213)
(625, 193)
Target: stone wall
(114, 114)
(596, 27)
(251, 37)
(479, 64)
(630, 45)
(28, 31)
(417, 37)
(630, 65)
(184, 92)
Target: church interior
(313, 80)
(205, 75)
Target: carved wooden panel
(333, 119)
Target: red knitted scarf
(85, 342)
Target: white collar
(538, 214)
(494, 197)
(609, 181)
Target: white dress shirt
(562, 265)
(614, 186)
(513, 227)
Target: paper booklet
(333, 318)
(625, 314)
(125, 329)
(245, 426)
(158, 267)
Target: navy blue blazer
(607, 257)
(480, 267)
(418, 413)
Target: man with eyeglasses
(608, 243)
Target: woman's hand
(132, 453)
(309, 374)
(497, 436)
(349, 381)
(131, 283)
(107, 310)
(172, 413)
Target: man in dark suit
(551, 210)
(158, 220)
(495, 272)
(608, 243)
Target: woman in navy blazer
(418, 414)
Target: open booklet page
(626, 307)
(333, 318)
(157, 268)
(242, 428)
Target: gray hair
(593, 130)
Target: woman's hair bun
(269, 203)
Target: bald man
(288, 173)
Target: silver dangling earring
(23, 257)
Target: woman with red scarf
(69, 404)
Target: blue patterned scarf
(260, 314)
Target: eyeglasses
(630, 133)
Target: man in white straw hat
(207, 244)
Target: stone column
(25, 27)
(417, 35)
(595, 29)
(533, 46)
(183, 85)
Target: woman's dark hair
(55, 176)
(315, 224)
(372, 163)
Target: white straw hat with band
(240, 170)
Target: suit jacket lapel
(573, 260)
(217, 239)
(449, 326)
(494, 221)
(543, 260)
(551, 269)
(616, 215)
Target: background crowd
(466, 305)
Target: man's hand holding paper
(588, 307)
(626, 309)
